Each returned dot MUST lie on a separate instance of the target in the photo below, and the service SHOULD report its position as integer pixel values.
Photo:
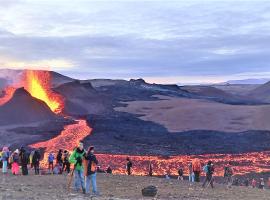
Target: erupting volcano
(45, 97)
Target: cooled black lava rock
(149, 191)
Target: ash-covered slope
(82, 99)
(262, 92)
(23, 108)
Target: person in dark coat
(91, 171)
(59, 159)
(109, 170)
(35, 161)
(129, 166)
(66, 164)
(24, 159)
(150, 169)
(209, 170)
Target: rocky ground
(118, 187)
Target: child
(253, 183)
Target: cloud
(125, 39)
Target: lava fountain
(38, 84)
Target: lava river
(68, 139)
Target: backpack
(10, 160)
(93, 166)
(228, 171)
(205, 169)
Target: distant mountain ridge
(248, 81)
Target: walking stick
(205, 187)
(71, 177)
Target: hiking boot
(83, 190)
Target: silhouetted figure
(59, 159)
(209, 170)
(150, 169)
(228, 173)
(66, 164)
(129, 166)
(109, 170)
(246, 182)
(180, 174)
(196, 167)
(24, 158)
(261, 185)
(35, 161)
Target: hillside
(82, 99)
(262, 92)
(23, 108)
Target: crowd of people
(85, 168)
(195, 170)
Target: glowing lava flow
(256, 162)
(67, 140)
(38, 84)
(8, 93)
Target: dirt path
(118, 187)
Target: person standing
(5, 158)
(59, 159)
(191, 173)
(261, 183)
(24, 158)
(91, 171)
(76, 158)
(66, 164)
(128, 166)
(15, 162)
(109, 170)
(228, 173)
(50, 161)
(35, 161)
(209, 170)
(196, 168)
(150, 169)
(180, 174)
(253, 183)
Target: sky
(161, 41)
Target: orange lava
(242, 163)
(67, 140)
(8, 93)
(38, 84)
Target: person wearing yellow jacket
(76, 158)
